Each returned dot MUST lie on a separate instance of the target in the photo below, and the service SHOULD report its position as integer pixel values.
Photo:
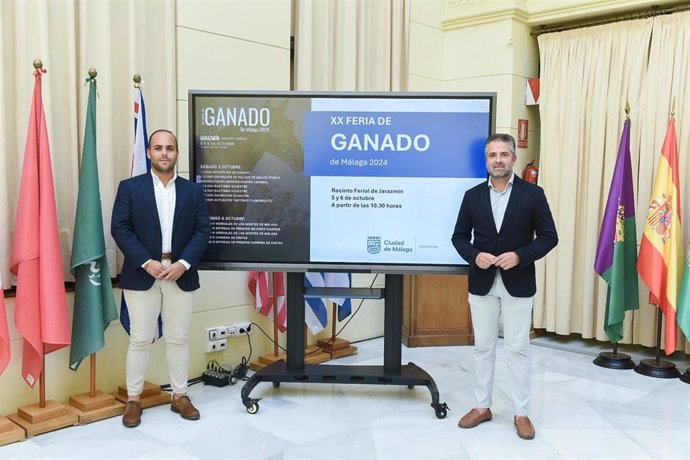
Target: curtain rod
(653, 11)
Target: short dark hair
(499, 137)
(164, 131)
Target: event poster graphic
(300, 180)
(250, 162)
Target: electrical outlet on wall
(212, 346)
(211, 333)
(244, 328)
(222, 344)
(238, 329)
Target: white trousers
(517, 317)
(175, 307)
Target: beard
(163, 168)
(499, 174)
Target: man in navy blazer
(503, 227)
(160, 223)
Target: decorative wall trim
(464, 13)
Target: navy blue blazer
(137, 231)
(527, 228)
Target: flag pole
(335, 315)
(38, 65)
(42, 381)
(92, 386)
(92, 359)
(275, 315)
(657, 367)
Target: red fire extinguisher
(530, 173)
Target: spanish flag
(660, 263)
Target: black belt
(166, 255)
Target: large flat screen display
(367, 182)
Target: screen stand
(294, 369)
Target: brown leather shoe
(524, 427)
(132, 415)
(183, 406)
(474, 418)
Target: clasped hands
(506, 261)
(158, 271)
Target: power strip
(217, 379)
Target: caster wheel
(411, 387)
(253, 408)
(441, 409)
(276, 384)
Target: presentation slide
(319, 181)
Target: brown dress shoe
(132, 415)
(474, 418)
(524, 427)
(183, 406)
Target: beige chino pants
(517, 318)
(175, 307)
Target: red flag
(4, 333)
(660, 262)
(261, 286)
(41, 303)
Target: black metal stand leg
(392, 325)
(295, 321)
(251, 404)
(441, 409)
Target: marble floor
(580, 411)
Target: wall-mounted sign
(522, 133)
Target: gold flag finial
(627, 109)
(92, 72)
(137, 80)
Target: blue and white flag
(340, 280)
(315, 313)
(140, 162)
(140, 165)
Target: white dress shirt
(165, 203)
(499, 201)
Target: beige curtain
(118, 38)
(587, 75)
(351, 45)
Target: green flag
(94, 304)
(683, 314)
